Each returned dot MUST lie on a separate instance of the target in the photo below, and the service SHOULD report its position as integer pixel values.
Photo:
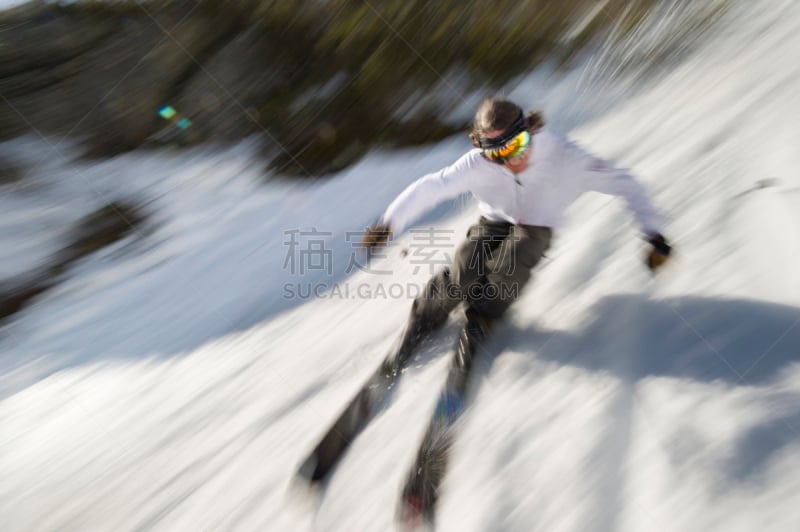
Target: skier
(524, 176)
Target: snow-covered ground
(175, 380)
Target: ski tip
(302, 499)
(412, 513)
(310, 473)
(308, 469)
(303, 484)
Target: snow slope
(171, 384)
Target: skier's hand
(376, 236)
(659, 253)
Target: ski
(421, 489)
(362, 408)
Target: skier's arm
(428, 191)
(600, 175)
(597, 174)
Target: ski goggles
(514, 147)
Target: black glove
(376, 236)
(658, 255)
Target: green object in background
(167, 112)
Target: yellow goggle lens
(511, 149)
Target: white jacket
(558, 173)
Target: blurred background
(183, 311)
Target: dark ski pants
(488, 273)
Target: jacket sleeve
(430, 190)
(600, 175)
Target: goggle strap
(519, 125)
